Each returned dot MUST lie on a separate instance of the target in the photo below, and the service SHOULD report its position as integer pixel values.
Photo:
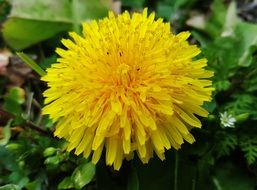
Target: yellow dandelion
(127, 85)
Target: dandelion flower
(127, 85)
(227, 120)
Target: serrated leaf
(226, 143)
(248, 145)
(222, 85)
(250, 85)
(243, 103)
(83, 174)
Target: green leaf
(19, 178)
(226, 143)
(231, 20)
(250, 85)
(133, 182)
(165, 11)
(13, 100)
(47, 62)
(10, 187)
(210, 106)
(53, 160)
(47, 122)
(171, 10)
(31, 22)
(31, 63)
(133, 3)
(4, 9)
(222, 85)
(49, 151)
(6, 133)
(13, 146)
(247, 59)
(59, 11)
(223, 60)
(21, 33)
(242, 117)
(215, 24)
(66, 183)
(17, 94)
(243, 103)
(248, 43)
(34, 185)
(83, 174)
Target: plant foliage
(221, 158)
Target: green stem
(29, 104)
(176, 171)
(193, 184)
(6, 116)
(216, 183)
(34, 127)
(31, 63)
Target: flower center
(123, 69)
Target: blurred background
(224, 156)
